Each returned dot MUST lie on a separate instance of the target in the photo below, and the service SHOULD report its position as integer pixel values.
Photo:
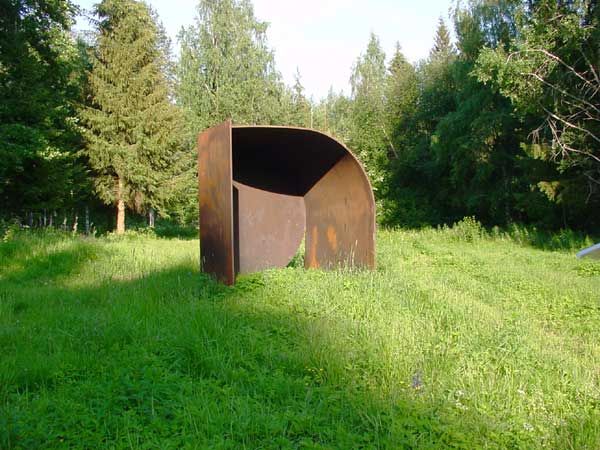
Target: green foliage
(468, 229)
(133, 130)
(550, 73)
(332, 115)
(367, 131)
(460, 339)
(39, 87)
(500, 123)
(464, 147)
(402, 96)
(301, 108)
(442, 45)
(228, 72)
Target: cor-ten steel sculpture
(263, 188)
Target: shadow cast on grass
(46, 257)
(174, 360)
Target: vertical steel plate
(268, 228)
(215, 197)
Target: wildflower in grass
(460, 405)
(528, 426)
(417, 381)
(458, 395)
(520, 392)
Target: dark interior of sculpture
(263, 189)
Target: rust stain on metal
(343, 200)
(262, 188)
(310, 257)
(332, 237)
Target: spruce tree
(437, 79)
(442, 44)
(301, 107)
(476, 150)
(133, 128)
(405, 174)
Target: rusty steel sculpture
(263, 188)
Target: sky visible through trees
(500, 123)
(321, 38)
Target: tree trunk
(87, 220)
(120, 208)
(151, 217)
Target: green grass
(459, 339)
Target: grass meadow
(462, 338)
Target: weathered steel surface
(262, 188)
(215, 199)
(340, 218)
(268, 228)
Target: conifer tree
(367, 137)
(301, 107)
(437, 79)
(402, 92)
(475, 148)
(133, 128)
(442, 44)
(404, 172)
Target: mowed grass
(459, 339)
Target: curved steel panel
(340, 219)
(268, 228)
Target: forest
(478, 328)
(502, 123)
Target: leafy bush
(468, 229)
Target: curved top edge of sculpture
(323, 134)
(262, 188)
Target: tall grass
(462, 338)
